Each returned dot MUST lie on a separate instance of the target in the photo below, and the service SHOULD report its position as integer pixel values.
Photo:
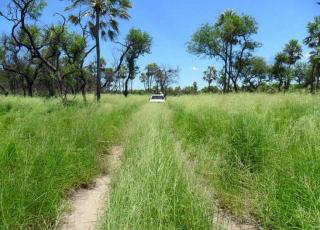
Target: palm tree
(293, 53)
(278, 70)
(102, 23)
(313, 42)
(313, 39)
(209, 76)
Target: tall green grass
(260, 153)
(152, 190)
(47, 149)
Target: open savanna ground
(253, 157)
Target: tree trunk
(24, 89)
(312, 88)
(225, 72)
(30, 88)
(317, 76)
(126, 86)
(230, 68)
(50, 87)
(97, 37)
(4, 90)
(150, 84)
(83, 90)
(235, 86)
(280, 84)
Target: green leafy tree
(255, 73)
(148, 78)
(121, 75)
(75, 46)
(152, 70)
(143, 79)
(45, 45)
(138, 43)
(210, 75)
(279, 71)
(20, 64)
(80, 50)
(300, 72)
(229, 40)
(195, 87)
(165, 76)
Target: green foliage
(293, 51)
(313, 27)
(139, 41)
(229, 28)
(300, 72)
(204, 42)
(2, 53)
(33, 8)
(230, 40)
(256, 72)
(282, 70)
(36, 34)
(210, 75)
(36, 8)
(109, 10)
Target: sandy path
(88, 204)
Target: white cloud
(194, 68)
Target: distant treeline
(55, 60)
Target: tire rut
(221, 218)
(88, 205)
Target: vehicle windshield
(157, 97)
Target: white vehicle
(158, 98)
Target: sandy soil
(88, 205)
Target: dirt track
(88, 204)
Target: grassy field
(259, 154)
(47, 149)
(152, 190)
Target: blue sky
(172, 22)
